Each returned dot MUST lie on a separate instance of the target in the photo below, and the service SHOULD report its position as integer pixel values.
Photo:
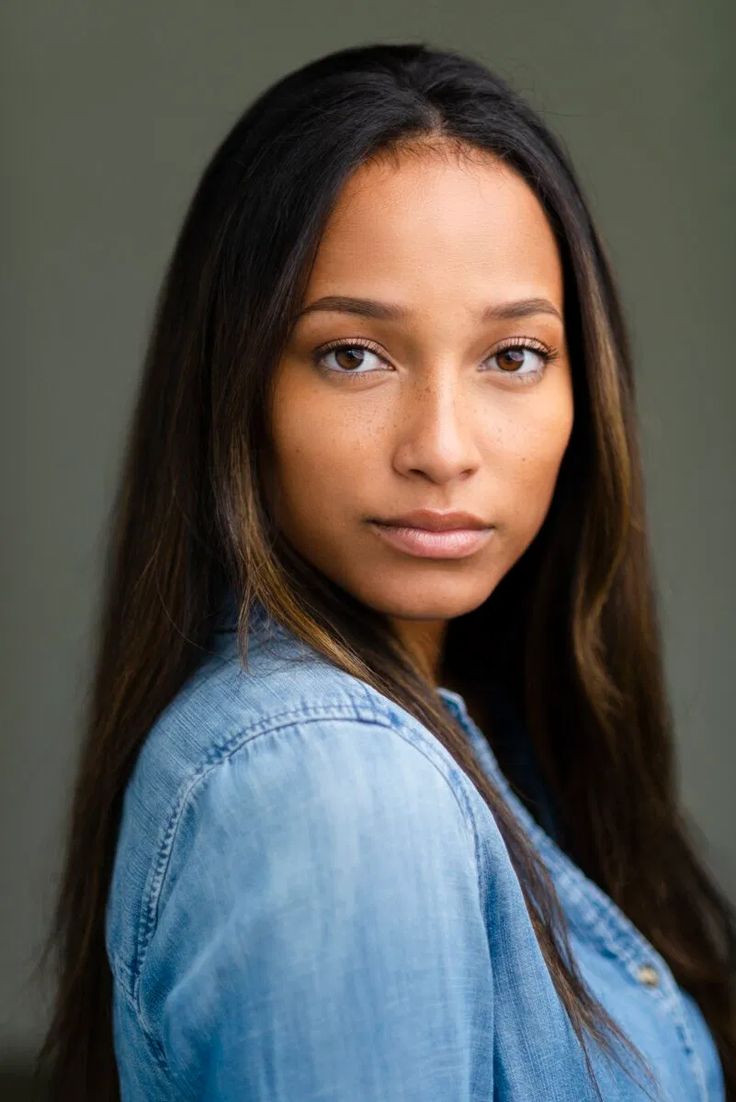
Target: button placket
(648, 975)
(604, 921)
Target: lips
(438, 543)
(431, 520)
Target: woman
(378, 796)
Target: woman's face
(426, 408)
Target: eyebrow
(387, 311)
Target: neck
(424, 639)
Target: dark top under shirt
(514, 750)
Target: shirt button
(645, 973)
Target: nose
(436, 431)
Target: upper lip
(434, 521)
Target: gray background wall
(109, 113)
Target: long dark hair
(572, 628)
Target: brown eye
(349, 357)
(517, 361)
(510, 358)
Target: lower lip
(455, 543)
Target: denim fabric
(311, 901)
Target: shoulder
(290, 744)
(310, 882)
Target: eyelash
(548, 355)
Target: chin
(427, 606)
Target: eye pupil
(516, 355)
(355, 352)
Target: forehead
(436, 226)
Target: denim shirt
(311, 901)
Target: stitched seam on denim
(605, 928)
(120, 975)
(608, 928)
(612, 927)
(692, 1057)
(476, 842)
(605, 924)
(372, 711)
(455, 775)
(451, 699)
(213, 756)
(123, 972)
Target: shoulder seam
(370, 711)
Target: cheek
(322, 455)
(314, 456)
(533, 458)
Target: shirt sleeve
(320, 934)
